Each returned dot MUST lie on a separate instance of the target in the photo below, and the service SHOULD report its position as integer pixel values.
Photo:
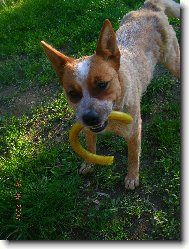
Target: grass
(56, 202)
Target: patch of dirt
(18, 102)
(140, 230)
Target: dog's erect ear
(107, 45)
(57, 59)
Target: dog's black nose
(91, 118)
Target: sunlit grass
(10, 5)
(57, 203)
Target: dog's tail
(169, 7)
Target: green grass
(57, 203)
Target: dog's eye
(102, 85)
(74, 95)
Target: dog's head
(90, 83)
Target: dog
(118, 73)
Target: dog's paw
(86, 168)
(131, 182)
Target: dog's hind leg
(171, 58)
(91, 146)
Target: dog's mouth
(99, 128)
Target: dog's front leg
(91, 146)
(134, 147)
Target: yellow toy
(85, 154)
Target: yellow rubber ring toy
(85, 154)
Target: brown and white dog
(116, 76)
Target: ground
(55, 201)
